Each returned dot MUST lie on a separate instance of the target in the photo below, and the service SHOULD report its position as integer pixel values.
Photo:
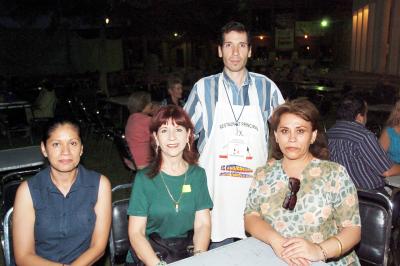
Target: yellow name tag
(186, 189)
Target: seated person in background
(175, 90)
(170, 198)
(390, 137)
(62, 215)
(45, 103)
(352, 145)
(155, 106)
(137, 130)
(302, 205)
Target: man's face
(234, 51)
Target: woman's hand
(295, 248)
(277, 246)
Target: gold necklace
(169, 192)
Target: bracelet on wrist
(323, 252)
(197, 252)
(161, 263)
(340, 246)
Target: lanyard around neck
(230, 104)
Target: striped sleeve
(194, 109)
(374, 155)
(277, 98)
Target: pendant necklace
(170, 194)
(234, 115)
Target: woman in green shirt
(170, 197)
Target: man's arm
(194, 109)
(377, 158)
(277, 98)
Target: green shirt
(150, 198)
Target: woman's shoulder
(140, 117)
(87, 171)
(197, 171)
(89, 177)
(392, 131)
(329, 170)
(41, 179)
(270, 166)
(327, 165)
(142, 176)
(196, 168)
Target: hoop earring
(188, 145)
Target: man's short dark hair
(234, 26)
(350, 107)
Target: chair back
(376, 225)
(16, 121)
(10, 184)
(124, 151)
(7, 241)
(119, 240)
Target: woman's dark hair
(180, 117)
(234, 26)
(350, 107)
(54, 123)
(307, 111)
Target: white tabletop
(249, 251)
(20, 158)
(120, 100)
(393, 181)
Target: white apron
(230, 157)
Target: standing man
(230, 111)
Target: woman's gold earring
(188, 146)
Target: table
(20, 158)
(16, 105)
(385, 108)
(393, 181)
(249, 251)
(119, 100)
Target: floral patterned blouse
(326, 202)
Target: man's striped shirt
(204, 96)
(358, 149)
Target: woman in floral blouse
(305, 207)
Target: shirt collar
(231, 83)
(78, 182)
(351, 122)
